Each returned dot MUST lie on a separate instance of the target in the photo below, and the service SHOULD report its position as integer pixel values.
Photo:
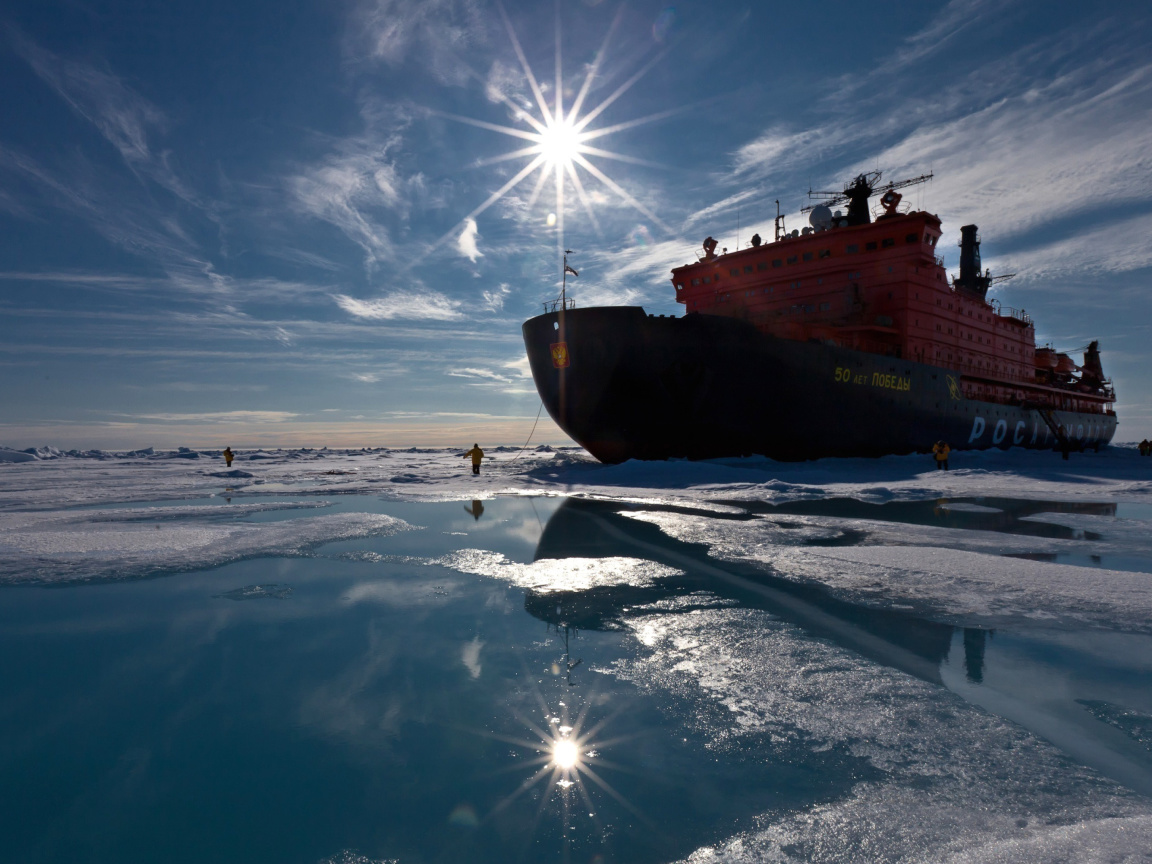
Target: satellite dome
(820, 218)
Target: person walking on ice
(228, 456)
(477, 454)
(941, 450)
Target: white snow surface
(952, 575)
(77, 545)
(1116, 474)
(954, 783)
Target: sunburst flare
(557, 141)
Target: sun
(560, 144)
(557, 141)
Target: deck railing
(559, 304)
(1008, 312)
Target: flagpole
(564, 281)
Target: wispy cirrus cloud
(494, 299)
(217, 417)
(432, 33)
(359, 185)
(484, 374)
(426, 305)
(122, 115)
(124, 211)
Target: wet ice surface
(841, 661)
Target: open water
(453, 693)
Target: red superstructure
(880, 287)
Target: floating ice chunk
(550, 575)
(965, 507)
(63, 546)
(351, 856)
(257, 592)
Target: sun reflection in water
(565, 754)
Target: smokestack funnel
(969, 256)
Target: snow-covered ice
(953, 783)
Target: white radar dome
(820, 218)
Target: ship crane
(857, 193)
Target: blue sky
(265, 223)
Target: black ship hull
(627, 385)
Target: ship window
(934, 239)
(747, 268)
(870, 246)
(792, 259)
(825, 253)
(911, 238)
(807, 256)
(809, 308)
(776, 262)
(695, 281)
(679, 286)
(889, 295)
(824, 307)
(852, 248)
(937, 326)
(927, 238)
(763, 265)
(705, 280)
(735, 271)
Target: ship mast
(857, 193)
(564, 280)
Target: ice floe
(79, 545)
(963, 577)
(948, 781)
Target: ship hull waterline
(628, 385)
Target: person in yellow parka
(228, 457)
(941, 449)
(477, 454)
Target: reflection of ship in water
(597, 529)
